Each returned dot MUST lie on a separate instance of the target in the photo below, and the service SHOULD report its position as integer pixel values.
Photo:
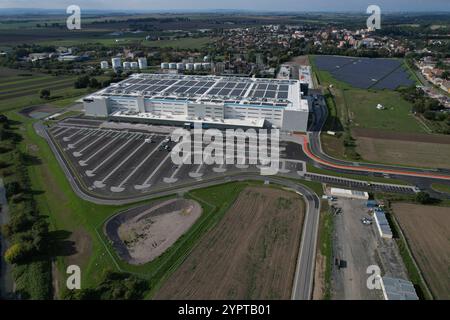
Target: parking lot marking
(72, 135)
(91, 173)
(172, 178)
(146, 184)
(62, 132)
(73, 145)
(120, 187)
(78, 154)
(196, 173)
(83, 163)
(101, 183)
(220, 169)
(56, 129)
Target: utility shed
(352, 194)
(398, 289)
(382, 224)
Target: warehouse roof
(398, 289)
(211, 89)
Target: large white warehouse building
(208, 100)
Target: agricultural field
(427, 230)
(20, 89)
(250, 254)
(419, 150)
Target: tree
(93, 83)
(15, 253)
(82, 82)
(423, 198)
(45, 94)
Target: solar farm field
(365, 73)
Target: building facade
(207, 100)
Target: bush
(45, 94)
(114, 286)
(12, 188)
(423, 198)
(15, 253)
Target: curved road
(304, 275)
(313, 149)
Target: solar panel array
(209, 88)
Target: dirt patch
(319, 277)
(427, 230)
(412, 153)
(141, 235)
(82, 244)
(401, 136)
(38, 112)
(300, 60)
(251, 253)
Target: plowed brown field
(250, 254)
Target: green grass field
(19, 91)
(357, 107)
(363, 113)
(441, 187)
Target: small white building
(398, 289)
(351, 194)
(142, 63)
(116, 63)
(104, 65)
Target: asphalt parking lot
(360, 185)
(122, 162)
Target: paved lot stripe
(84, 162)
(62, 132)
(172, 178)
(146, 184)
(87, 135)
(101, 183)
(120, 186)
(91, 173)
(80, 153)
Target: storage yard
(250, 254)
(357, 244)
(426, 229)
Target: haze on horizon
(253, 5)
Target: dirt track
(250, 254)
(427, 229)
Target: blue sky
(283, 5)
